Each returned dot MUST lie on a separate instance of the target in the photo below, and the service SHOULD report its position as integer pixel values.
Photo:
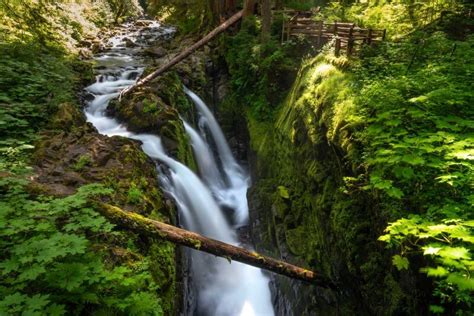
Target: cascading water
(234, 194)
(223, 288)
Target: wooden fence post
(350, 41)
(283, 28)
(288, 29)
(369, 37)
(338, 46)
(320, 33)
(384, 34)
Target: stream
(213, 203)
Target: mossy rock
(67, 116)
(156, 109)
(83, 156)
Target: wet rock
(129, 43)
(142, 23)
(97, 47)
(156, 52)
(85, 43)
(154, 109)
(85, 53)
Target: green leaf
(72, 275)
(395, 192)
(437, 272)
(37, 302)
(403, 172)
(56, 310)
(435, 309)
(13, 299)
(400, 262)
(413, 160)
(463, 282)
(31, 273)
(455, 253)
(283, 192)
(430, 250)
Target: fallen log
(188, 51)
(146, 226)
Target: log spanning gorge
(223, 288)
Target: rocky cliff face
(302, 212)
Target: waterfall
(224, 288)
(208, 167)
(234, 195)
(209, 120)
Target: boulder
(129, 43)
(155, 52)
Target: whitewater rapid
(224, 288)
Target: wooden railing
(348, 37)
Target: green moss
(134, 194)
(83, 161)
(156, 109)
(296, 240)
(163, 270)
(306, 151)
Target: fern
(49, 263)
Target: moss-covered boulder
(156, 109)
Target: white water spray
(234, 194)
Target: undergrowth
(418, 152)
(57, 257)
(260, 71)
(34, 80)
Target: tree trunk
(266, 19)
(217, 9)
(229, 6)
(179, 236)
(249, 7)
(221, 28)
(278, 4)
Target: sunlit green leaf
(400, 262)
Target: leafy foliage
(191, 16)
(418, 151)
(259, 70)
(398, 17)
(53, 258)
(448, 246)
(34, 82)
(66, 22)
